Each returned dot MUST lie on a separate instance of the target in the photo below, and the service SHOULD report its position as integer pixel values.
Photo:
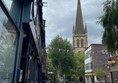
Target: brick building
(96, 56)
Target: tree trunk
(58, 75)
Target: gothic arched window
(82, 43)
(78, 43)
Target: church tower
(80, 41)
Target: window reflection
(37, 28)
(8, 3)
(7, 48)
(14, 9)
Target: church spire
(79, 27)
(73, 28)
(85, 28)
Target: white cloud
(60, 16)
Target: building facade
(113, 67)
(96, 57)
(22, 40)
(80, 41)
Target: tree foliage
(99, 73)
(109, 21)
(49, 65)
(61, 54)
(79, 68)
(80, 63)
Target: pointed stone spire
(79, 27)
(85, 28)
(73, 28)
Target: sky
(60, 16)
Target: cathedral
(80, 42)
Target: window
(104, 52)
(82, 43)
(116, 53)
(88, 66)
(7, 48)
(88, 55)
(37, 29)
(13, 9)
(78, 43)
(8, 3)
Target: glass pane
(7, 48)
(37, 28)
(8, 3)
(13, 9)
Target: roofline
(92, 45)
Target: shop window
(7, 48)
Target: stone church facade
(80, 41)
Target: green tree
(49, 65)
(109, 21)
(50, 68)
(79, 69)
(99, 73)
(61, 54)
(80, 63)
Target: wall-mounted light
(110, 61)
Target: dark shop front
(22, 41)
